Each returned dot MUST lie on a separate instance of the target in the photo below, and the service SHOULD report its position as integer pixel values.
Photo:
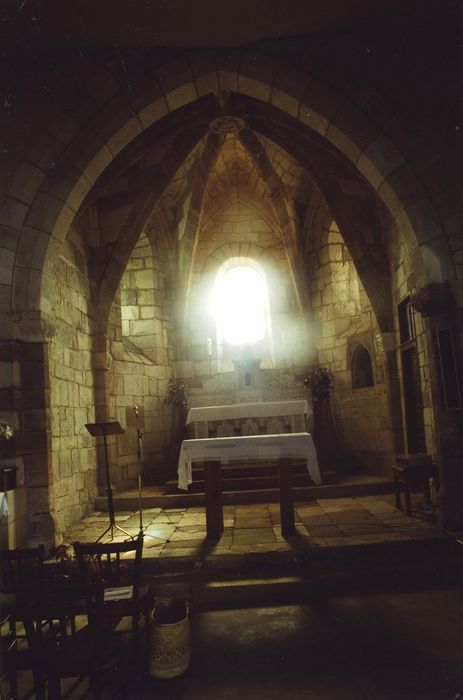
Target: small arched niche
(362, 369)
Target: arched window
(240, 306)
(362, 370)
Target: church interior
(216, 205)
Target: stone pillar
(436, 304)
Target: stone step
(255, 477)
(246, 483)
(284, 579)
(152, 498)
(245, 592)
(244, 470)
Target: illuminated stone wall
(143, 361)
(343, 319)
(72, 468)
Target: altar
(263, 418)
(212, 451)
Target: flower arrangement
(62, 553)
(6, 431)
(177, 393)
(66, 563)
(320, 380)
(99, 569)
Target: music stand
(104, 429)
(140, 467)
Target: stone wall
(390, 111)
(343, 319)
(146, 305)
(271, 385)
(73, 474)
(64, 480)
(142, 351)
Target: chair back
(67, 637)
(111, 563)
(57, 609)
(19, 567)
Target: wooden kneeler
(214, 504)
(286, 496)
(214, 509)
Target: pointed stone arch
(76, 154)
(123, 99)
(139, 217)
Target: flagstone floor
(181, 532)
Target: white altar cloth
(259, 447)
(247, 410)
(4, 510)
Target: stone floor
(381, 647)
(338, 522)
(394, 646)
(334, 641)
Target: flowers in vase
(320, 380)
(177, 393)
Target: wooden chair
(118, 565)
(75, 642)
(412, 473)
(18, 567)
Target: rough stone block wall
(142, 351)
(73, 478)
(142, 384)
(342, 319)
(141, 301)
(223, 388)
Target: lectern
(104, 429)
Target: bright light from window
(238, 303)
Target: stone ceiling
(38, 25)
(232, 176)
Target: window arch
(240, 306)
(362, 370)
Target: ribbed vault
(182, 173)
